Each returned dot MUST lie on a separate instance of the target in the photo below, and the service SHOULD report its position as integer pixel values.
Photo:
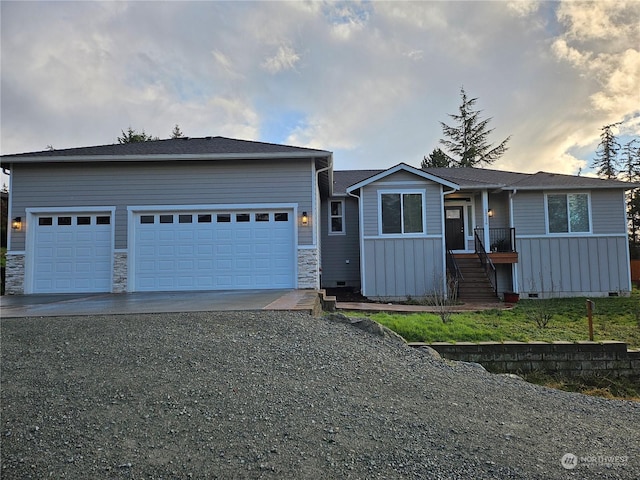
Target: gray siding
(433, 201)
(573, 266)
(396, 268)
(338, 249)
(122, 184)
(528, 213)
(607, 213)
(499, 203)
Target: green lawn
(615, 318)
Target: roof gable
(401, 167)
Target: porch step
(474, 285)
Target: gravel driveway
(281, 395)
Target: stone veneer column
(120, 272)
(14, 275)
(308, 268)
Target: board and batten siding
(573, 266)
(397, 268)
(341, 252)
(123, 184)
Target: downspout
(514, 266)
(316, 223)
(361, 235)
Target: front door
(454, 228)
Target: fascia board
(161, 157)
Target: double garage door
(213, 250)
(168, 251)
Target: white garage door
(72, 253)
(214, 250)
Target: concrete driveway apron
(44, 305)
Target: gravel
(282, 395)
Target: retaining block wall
(571, 359)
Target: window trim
(568, 233)
(342, 216)
(400, 191)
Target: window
(243, 217)
(568, 213)
(204, 218)
(147, 218)
(103, 220)
(336, 217)
(281, 217)
(45, 221)
(64, 220)
(401, 213)
(262, 217)
(186, 218)
(166, 218)
(223, 218)
(83, 220)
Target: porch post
(485, 220)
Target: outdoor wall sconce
(305, 219)
(16, 223)
(490, 213)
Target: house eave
(161, 157)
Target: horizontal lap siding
(607, 213)
(123, 184)
(337, 249)
(401, 267)
(573, 265)
(528, 213)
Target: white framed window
(336, 217)
(401, 212)
(568, 213)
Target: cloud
(368, 80)
(284, 59)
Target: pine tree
(606, 161)
(176, 132)
(131, 136)
(437, 158)
(631, 173)
(467, 141)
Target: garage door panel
(217, 250)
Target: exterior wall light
(16, 223)
(490, 213)
(305, 219)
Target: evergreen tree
(437, 158)
(131, 136)
(606, 161)
(466, 142)
(176, 132)
(631, 173)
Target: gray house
(216, 213)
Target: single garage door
(73, 253)
(214, 250)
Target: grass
(615, 318)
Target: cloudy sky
(369, 81)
